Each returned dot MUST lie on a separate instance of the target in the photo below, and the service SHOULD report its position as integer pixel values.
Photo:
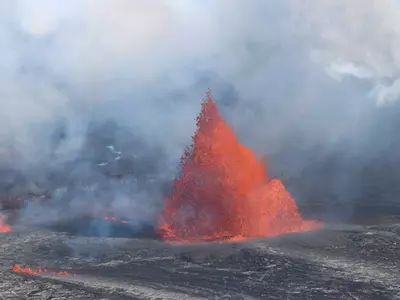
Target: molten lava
(3, 226)
(224, 192)
(29, 271)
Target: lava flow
(18, 269)
(224, 192)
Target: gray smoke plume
(99, 98)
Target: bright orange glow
(18, 269)
(3, 226)
(224, 192)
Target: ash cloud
(99, 98)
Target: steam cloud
(94, 91)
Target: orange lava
(18, 269)
(110, 218)
(3, 226)
(224, 192)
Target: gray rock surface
(337, 262)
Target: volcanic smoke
(224, 192)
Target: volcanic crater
(227, 231)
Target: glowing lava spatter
(115, 219)
(4, 227)
(224, 191)
(18, 269)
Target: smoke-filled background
(99, 99)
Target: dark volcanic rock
(347, 262)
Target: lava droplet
(224, 192)
(18, 269)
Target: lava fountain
(224, 192)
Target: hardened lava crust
(334, 262)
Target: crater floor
(337, 262)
